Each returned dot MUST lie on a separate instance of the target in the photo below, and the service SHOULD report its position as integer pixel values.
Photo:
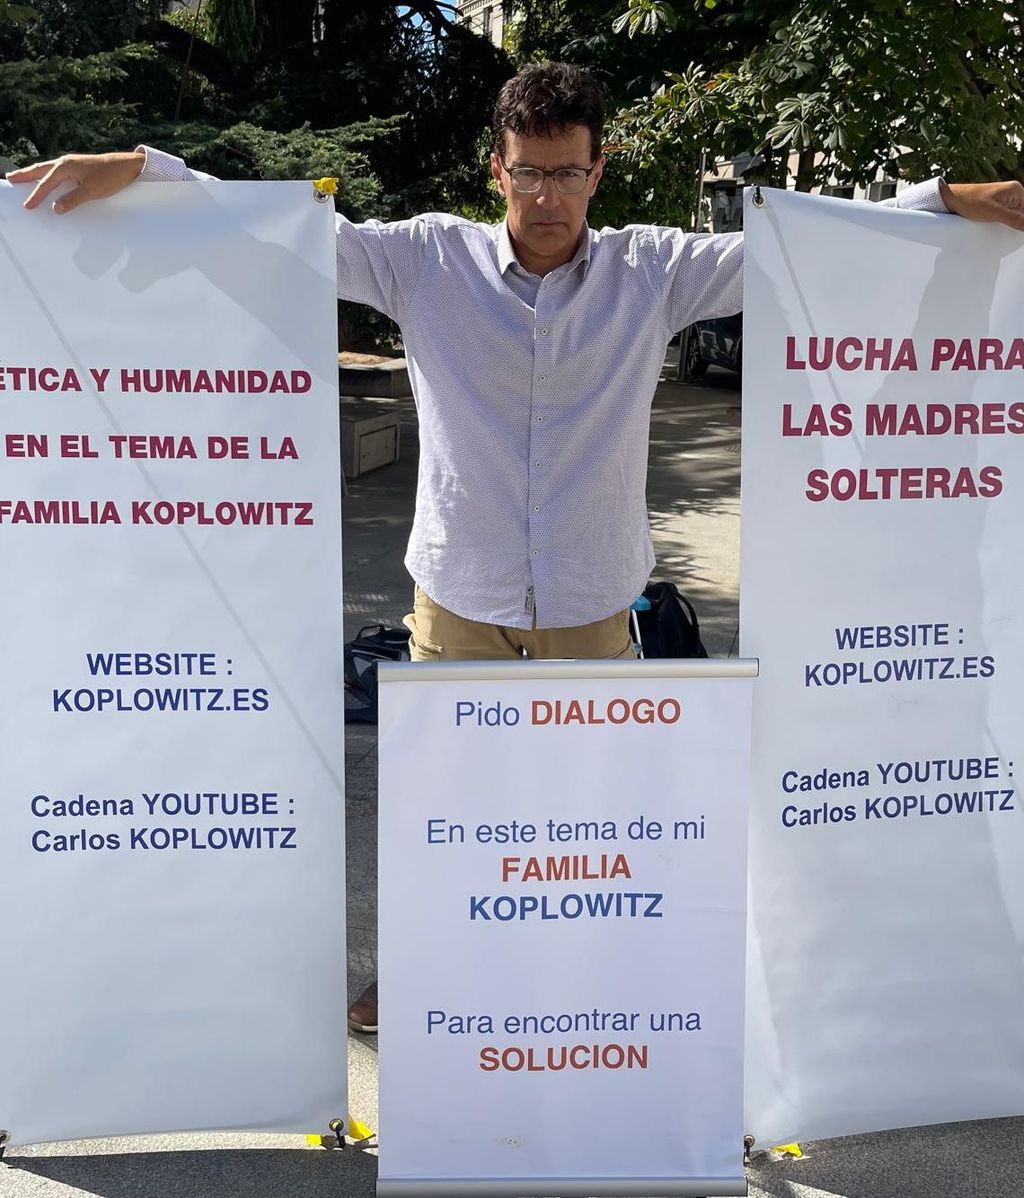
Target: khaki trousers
(441, 635)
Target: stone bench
(380, 379)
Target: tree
(853, 88)
(85, 27)
(394, 101)
(99, 75)
(337, 62)
(233, 26)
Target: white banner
(562, 897)
(171, 860)
(882, 591)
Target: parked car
(711, 342)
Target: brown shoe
(362, 1014)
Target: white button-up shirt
(534, 398)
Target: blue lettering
(600, 904)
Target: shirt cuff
(162, 168)
(922, 197)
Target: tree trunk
(805, 170)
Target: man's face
(545, 225)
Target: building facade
(485, 17)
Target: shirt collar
(507, 255)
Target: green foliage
(78, 28)
(646, 16)
(854, 87)
(246, 151)
(188, 20)
(232, 25)
(653, 168)
(49, 105)
(14, 14)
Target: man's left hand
(1000, 202)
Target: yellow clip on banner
(356, 1131)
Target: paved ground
(694, 502)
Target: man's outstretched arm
(96, 176)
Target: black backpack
(372, 644)
(669, 628)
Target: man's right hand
(95, 176)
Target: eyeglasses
(569, 180)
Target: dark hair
(546, 98)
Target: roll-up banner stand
(171, 854)
(882, 589)
(562, 908)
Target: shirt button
(544, 332)
(542, 377)
(539, 419)
(535, 552)
(536, 509)
(537, 465)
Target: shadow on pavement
(693, 499)
(229, 1173)
(985, 1158)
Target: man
(534, 349)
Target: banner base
(562, 1187)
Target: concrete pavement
(694, 503)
